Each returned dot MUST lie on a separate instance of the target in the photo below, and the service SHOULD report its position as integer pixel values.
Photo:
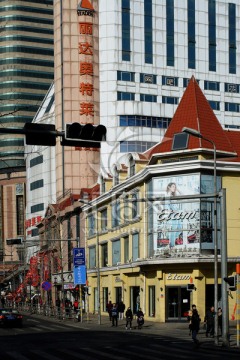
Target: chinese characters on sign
(32, 222)
(85, 49)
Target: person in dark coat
(129, 317)
(220, 320)
(121, 309)
(114, 313)
(140, 318)
(109, 309)
(209, 320)
(195, 324)
(3, 301)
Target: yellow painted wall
(232, 185)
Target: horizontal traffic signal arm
(87, 135)
(15, 241)
(36, 134)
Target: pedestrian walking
(189, 322)
(68, 306)
(114, 315)
(209, 320)
(195, 324)
(3, 301)
(129, 318)
(76, 305)
(109, 309)
(140, 318)
(121, 309)
(220, 320)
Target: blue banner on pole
(78, 256)
(79, 275)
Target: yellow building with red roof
(150, 234)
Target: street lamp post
(98, 273)
(197, 134)
(97, 265)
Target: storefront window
(151, 301)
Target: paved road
(47, 338)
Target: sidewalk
(180, 329)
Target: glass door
(177, 303)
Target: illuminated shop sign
(179, 224)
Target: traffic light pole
(225, 311)
(238, 303)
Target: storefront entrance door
(177, 303)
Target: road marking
(106, 355)
(44, 355)
(16, 355)
(32, 320)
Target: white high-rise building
(148, 50)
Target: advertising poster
(176, 223)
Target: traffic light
(87, 135)
(15, 241)
(87, 290)
(231, 280)
(40, 134)
(190, 287)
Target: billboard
(177, 223)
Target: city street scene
(43, 337)
(120, 179)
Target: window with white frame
(91, 225)
(116, 214)
(126, 248)
(135, 246)
(92, 257)
(116, 252)
(104, 248)
(132, 165)
(135, 209)
(103, 214)
(126, 209)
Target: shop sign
(69, 286)
(85, 8)
(171, 276)
(86, 63)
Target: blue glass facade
(232, 38)
(191, 34)
(148, 31)
(170, 32)
(26, 66)
(126, 30)
(212, 34)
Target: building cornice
(161, 170)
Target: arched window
(132, 166)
